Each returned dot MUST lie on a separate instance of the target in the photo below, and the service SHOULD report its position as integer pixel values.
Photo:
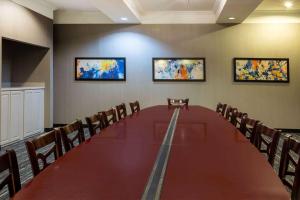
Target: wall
(7, 63)
(20, 62)
(277, 105)
(21, 24)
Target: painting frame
(99, 58)
(260, 59)
(178, 58)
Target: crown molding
(218, 7)
(179, 17)
(161, 17)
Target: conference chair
(95, 124)
(135, 107)
(237, 117)
(288, 162)
(110, 117)
(230, 112)
(178, 102)
(121, 111)
(248, 128)
(72, 134)
(9, 163)
(34, 146)
(221, 108)
(266, 141)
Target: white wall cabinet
(22, 113)
(5, 117)
(33, 112)
(16, 115)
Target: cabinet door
(5, 117)
(41, 108)
(38, 110)
(33, 112)
(29, 115)
(16, 115)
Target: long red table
(209, 159)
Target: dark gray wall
(275, 104)
(7, 64)
(21, 24)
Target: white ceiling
(80, 5)
(160, 11)
(177, 5)
(146, 5)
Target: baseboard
(61, 125)
(288, 130)
(48, 129)
(58, 125)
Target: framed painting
(261, 70)
(178, 69)
(100, 69)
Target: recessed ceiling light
(124, 18)
(231, 18)
(288, 4)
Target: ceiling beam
(117, 9)
(178, 17)
(38, 6)
(239, 9)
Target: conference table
(161, 153)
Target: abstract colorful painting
(100, 69)
(178, 69)
(261, 69)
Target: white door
(5, 117)
(16, 115)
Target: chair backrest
(269, 138)
(221, 108)
(52, 137)
(290, 145)
(135, 107)
(230, 112)
(121, 111)
(8, 161)
(110, 117)
(248, 128)
(95, 123)
(71, 133)
(178, 102)
(237, 118)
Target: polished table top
(208, 159)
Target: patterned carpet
(24, 163)
(26, 173)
